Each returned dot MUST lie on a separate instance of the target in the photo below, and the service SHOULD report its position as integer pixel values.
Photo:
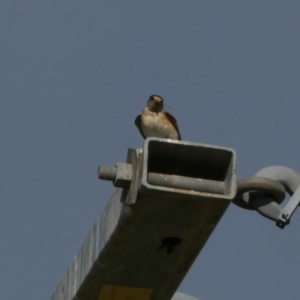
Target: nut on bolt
(120, 175)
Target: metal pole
(148, 236)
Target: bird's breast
(158, 125)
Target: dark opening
(188, 160)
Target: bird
(154, 121)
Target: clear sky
(74, 75)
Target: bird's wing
(138, 123)
(174, 123)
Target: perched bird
(156, 122)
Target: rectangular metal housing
(194, 160)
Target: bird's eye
(152, 98)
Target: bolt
(285, 216)
(107, 173)
(120, 175)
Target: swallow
(156, 122)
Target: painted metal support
(148, 235)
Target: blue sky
(74, 75)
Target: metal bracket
(291, 182)
(289, 209)
(267, 191)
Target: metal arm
(148, 235)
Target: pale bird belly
(156, 126)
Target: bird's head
(155, 103)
